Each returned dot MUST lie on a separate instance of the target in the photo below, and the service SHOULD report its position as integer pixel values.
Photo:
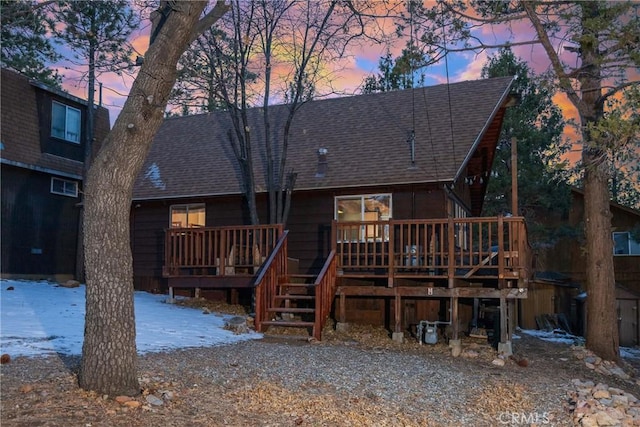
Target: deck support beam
(398, 335)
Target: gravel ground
(356, 379)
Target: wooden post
(514, 176)
(398, 335)
(454, 318)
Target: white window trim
(74, 186)
(365, 230)
(67, 108)
(629, 240)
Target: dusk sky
(362, 60)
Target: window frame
(66, 123)
(74, 184)
(188, 207)
(631, 244)
(367, 233)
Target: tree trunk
(602, 321)
(109, 352)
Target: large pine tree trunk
(109, 351)
(602, 319)
(602, 323)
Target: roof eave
(480, 135)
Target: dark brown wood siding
(38, 228)
(309, 223)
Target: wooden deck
(435, 258)
(447, 252)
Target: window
(623, 244)
(64, 187)
(65, 122)
(371, 207)
(184, 216)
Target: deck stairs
(294, 305)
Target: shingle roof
(366, 137)
(20, 130)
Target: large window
(183, 216)
(623, 244)
(64, 187)
(65, 122)
(369, 207)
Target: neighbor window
(370, 207)
(623, 244)
(64, 187)
(65, 122)
(183, 216)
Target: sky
(40, 318)
(361, 60)
(43, 318)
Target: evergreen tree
(536, 124)
(25, 46)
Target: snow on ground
(40, 318)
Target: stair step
(291, 310)
(297, 285)
(299, 324)
(295, 297)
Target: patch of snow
(630, 352)
(153, 174)
(557, 335)
(40, 318)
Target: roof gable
(21, 126)
(366, 138)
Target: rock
(70, 284)
(590, 365)
(604, 419)
(154, 400)
(470, 354)
(167, 395)
(498, 362)
(237, 324)
(11, 288)
(26, 388)
(5, 358)
(602, 394)
(132, 404)
(123, 399)
(589, 421)
(619, 400)
(590, 359)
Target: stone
(132, 404)
(70, 284)
(154, 400)
(620, 400)
(590, 359)
(589, 421)
(470, 354)
(604, 419)
(590, 365)
(4, 359)
(498, 362)
(167, 395)
(123, 399)
(398, 337)
(237, 324)
(26, 388)
(602, 394)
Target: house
(385, 211)
(42, 153)
(567, 259)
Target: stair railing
(266, 283)
(325, 290)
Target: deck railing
(266, 283)
(218, 250)
(325, 291)
(465, 248)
